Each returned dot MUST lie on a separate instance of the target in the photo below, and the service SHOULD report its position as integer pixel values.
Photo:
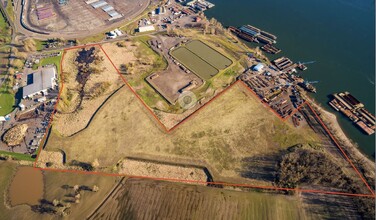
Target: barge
(352, 108)
(270, 49)
(254, 34)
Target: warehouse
(107, 8)
(39, 82)
(99, 4)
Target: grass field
(208, 54)
(145, 199)
(233, 135)
(6, 102)
(194, 63)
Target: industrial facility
(109, 9)
(39, 82)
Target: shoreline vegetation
(350, 147)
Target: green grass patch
(18, 156)
(7, 101)
(194, 63)
(208, 54)
(9, 10)
(52, 60)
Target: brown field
(178, 201)
(75, 109)
(26, 187)
(241, 140)
(146, 199)
(55, 185)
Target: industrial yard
(77, 17)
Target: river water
(339, 35)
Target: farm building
(39, 82)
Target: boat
(307, 86)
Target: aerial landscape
(174, 109)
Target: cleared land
(145, 199)
(178, 201)
(239, 140)
(194, 63)
(208, 54)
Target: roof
(107, 8)
(258, 67)
(42, 80)
(99, 4)
(112, 13)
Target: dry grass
(178, 201)
(233, 129)
(71, 118)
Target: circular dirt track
(76, 19)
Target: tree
(77, 196)
(95, 188)
(76, 188)
(56, 202)
(95, 163)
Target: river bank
(344, 59)
(362, 162)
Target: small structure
(39, 82)
(146, 28)
(259, 67)
(22, 107)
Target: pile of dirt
(52, 159)
(131, 167)
(15, 135)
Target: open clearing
(148, 199)
(242, 139)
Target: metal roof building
(113, 13)
(99, 4)
(40, 81)
(107, 8)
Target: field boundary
(372, 195)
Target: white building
(39, 82)
(146, 28)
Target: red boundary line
(372, 195)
